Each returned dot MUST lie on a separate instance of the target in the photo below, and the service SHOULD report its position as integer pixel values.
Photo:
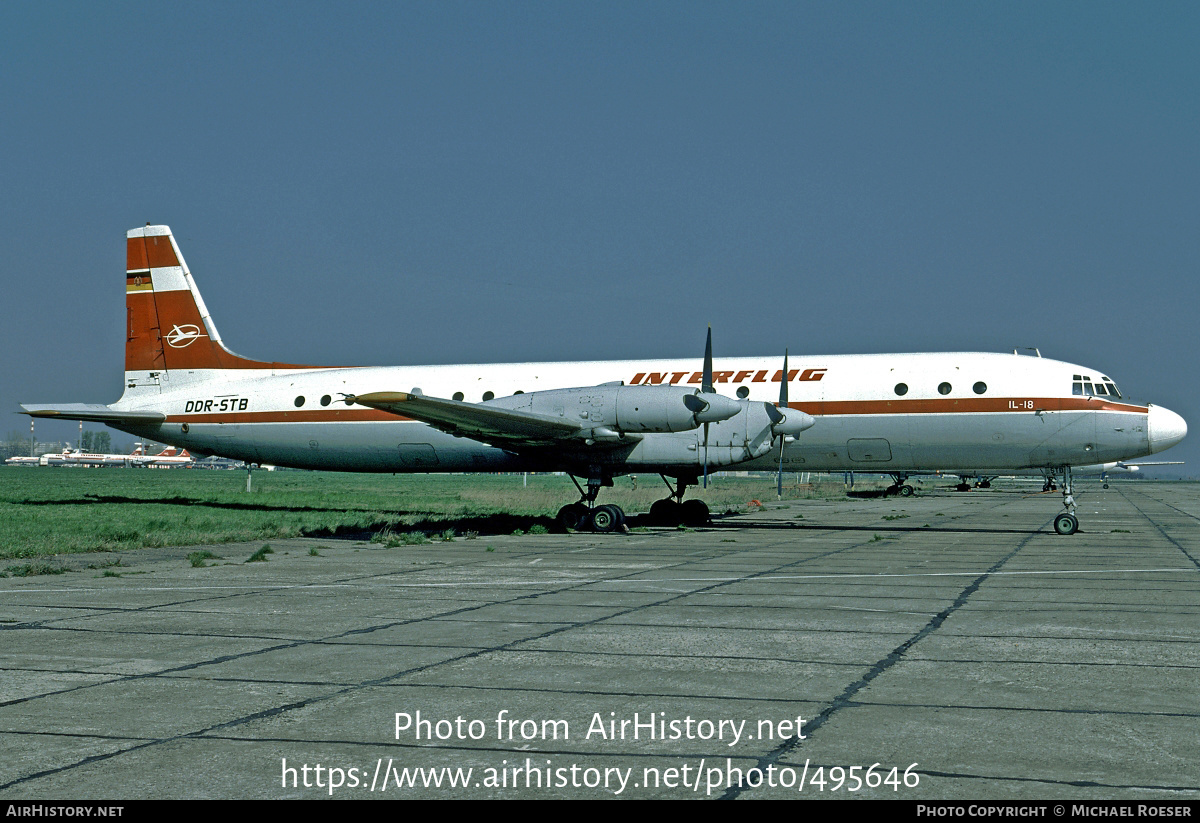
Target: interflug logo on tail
(180, 337)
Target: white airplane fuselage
(1026, 416)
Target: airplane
(1129, 467)
(169, 457)
(78, 457)
(22, 461)
(601, 419)
(982, 478)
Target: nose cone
(793, 421)
(711, 408)
(1166, 428)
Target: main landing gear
(899, 486)
(586, 514)
(1067, 522)
(674, 510)
(671, 511)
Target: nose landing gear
(1067, 522)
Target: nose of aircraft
(1166, 428)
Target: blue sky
(390, 183)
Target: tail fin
(168, 324)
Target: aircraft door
(869, 449)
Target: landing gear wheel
(665, 512)
(963, 487)
(1106, 485)
(906, 490)
(694, 512)
(1066, 523)
(607, 518)
(572, 517)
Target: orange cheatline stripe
(845, 407)
(350, 415)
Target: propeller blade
(783, 401)
(779, 480)
(783, 383)
(707, 386)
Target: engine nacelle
(627, 409)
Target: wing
(513, 429)
(95, 413)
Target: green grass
(46, 511)
(197, 558)
(32, 569)
(260, 556)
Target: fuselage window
(743, 392)
(299, 401)
(458, 396)
(944, 388)
(487, 395)
(980, 387)
(326, 400)
(901, 389)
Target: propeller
(706, 387)
(786, 421)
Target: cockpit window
(1103, 387)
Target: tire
(906, 490)
(694, 512)
(1066, 523)
(665, 512)
(572, 517)
(606, 519)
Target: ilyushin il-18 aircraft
(883, 413)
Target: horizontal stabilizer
(95, 413)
